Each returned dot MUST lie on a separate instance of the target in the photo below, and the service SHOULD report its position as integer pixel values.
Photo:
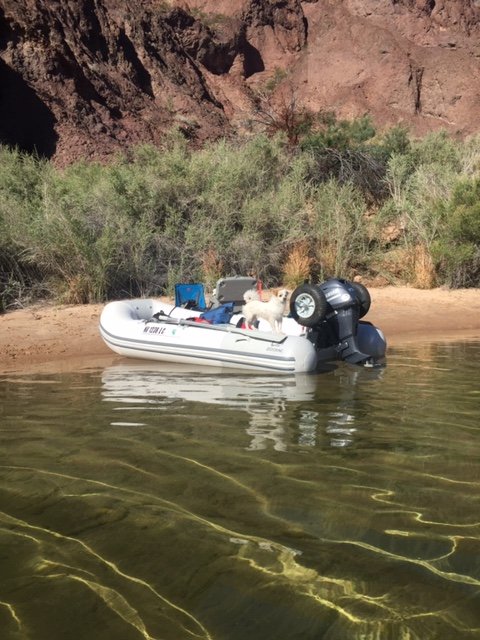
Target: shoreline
(52, 338)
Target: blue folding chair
(190, 296)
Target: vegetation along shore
(337, 198)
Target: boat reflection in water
(274, 404)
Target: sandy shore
(66, 337)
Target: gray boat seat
(231, 290)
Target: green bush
(21, 180)
(341, 135)
(339, 230)
(421, 180)
(155, 216)
(352, 153)
(247, 204)
(458, 248)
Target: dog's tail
(251, 294)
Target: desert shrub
(153, 193)
(280, 112)
(350, 152)
(342, 135)
(21, 176)
(21, 182)
(394, 265)
(436, 206)
(394, 141)
(153, 187)
(423, 267)
(212, 268)
(436, 153)
(69, 238)
(470, 157)
(437, 148)
(339, 229)
(20, 280)
(94, 233)
(249, 202)
(458, 248)
(405, 264)
(418, 180)
(298, 265)
(426, 187)
(382, 203)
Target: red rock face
(86, 78)
(96, 78)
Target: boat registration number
(162, 330)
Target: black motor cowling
(332, 311)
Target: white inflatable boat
(157, 331)
(323, 324)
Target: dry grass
(298, 265)
(423, 268)
(408, 264)
(396, 264)
(212, 267)
(328, 259)
(77, 290)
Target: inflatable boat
(323, 324)
(157, 331)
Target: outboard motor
(343, 317)
(332, 311)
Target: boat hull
(129, 329)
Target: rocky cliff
(85, 78)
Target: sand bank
(67, 338)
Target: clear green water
(138, 502)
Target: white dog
(272, 311)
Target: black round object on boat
(363, 297)
(308, 305)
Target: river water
(141, 501)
